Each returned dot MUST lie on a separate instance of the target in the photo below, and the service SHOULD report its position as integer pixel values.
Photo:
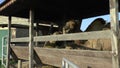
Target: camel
(71, 26)
(99, 44)
(96, 25)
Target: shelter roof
(55, 9)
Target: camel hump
(96, 25)
(101, 20)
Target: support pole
(19, 64)
(31, 43)
(115, 33)
(37, 33)
(9, 40)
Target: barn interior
(59, 12)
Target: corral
(59, 11)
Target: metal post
(9, 40)
(31, 43)
(19, 64)
(115, 33)
(63, 64)
(67, 64)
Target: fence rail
(72, 36)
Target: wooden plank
(24, 26)
(22, 52)
(72, 36)
(15, 26)
(25, 39)
(9, 41)
(115, 33)
(13, 55)
(49, 56)
(37, 59)
(100, 54)
(75, 36)
(31, 43)
(7, 4)
(83, 58)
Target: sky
(1, 1)
(86, 22)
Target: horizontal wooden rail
(72, 36)
(81, 58)
(25, 39)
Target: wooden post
(115, 33)
(37, 33)
(19, 64)
(9, 40)
(31, 43)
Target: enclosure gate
(68, 64)
(4, 50)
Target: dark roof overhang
(55, 9)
